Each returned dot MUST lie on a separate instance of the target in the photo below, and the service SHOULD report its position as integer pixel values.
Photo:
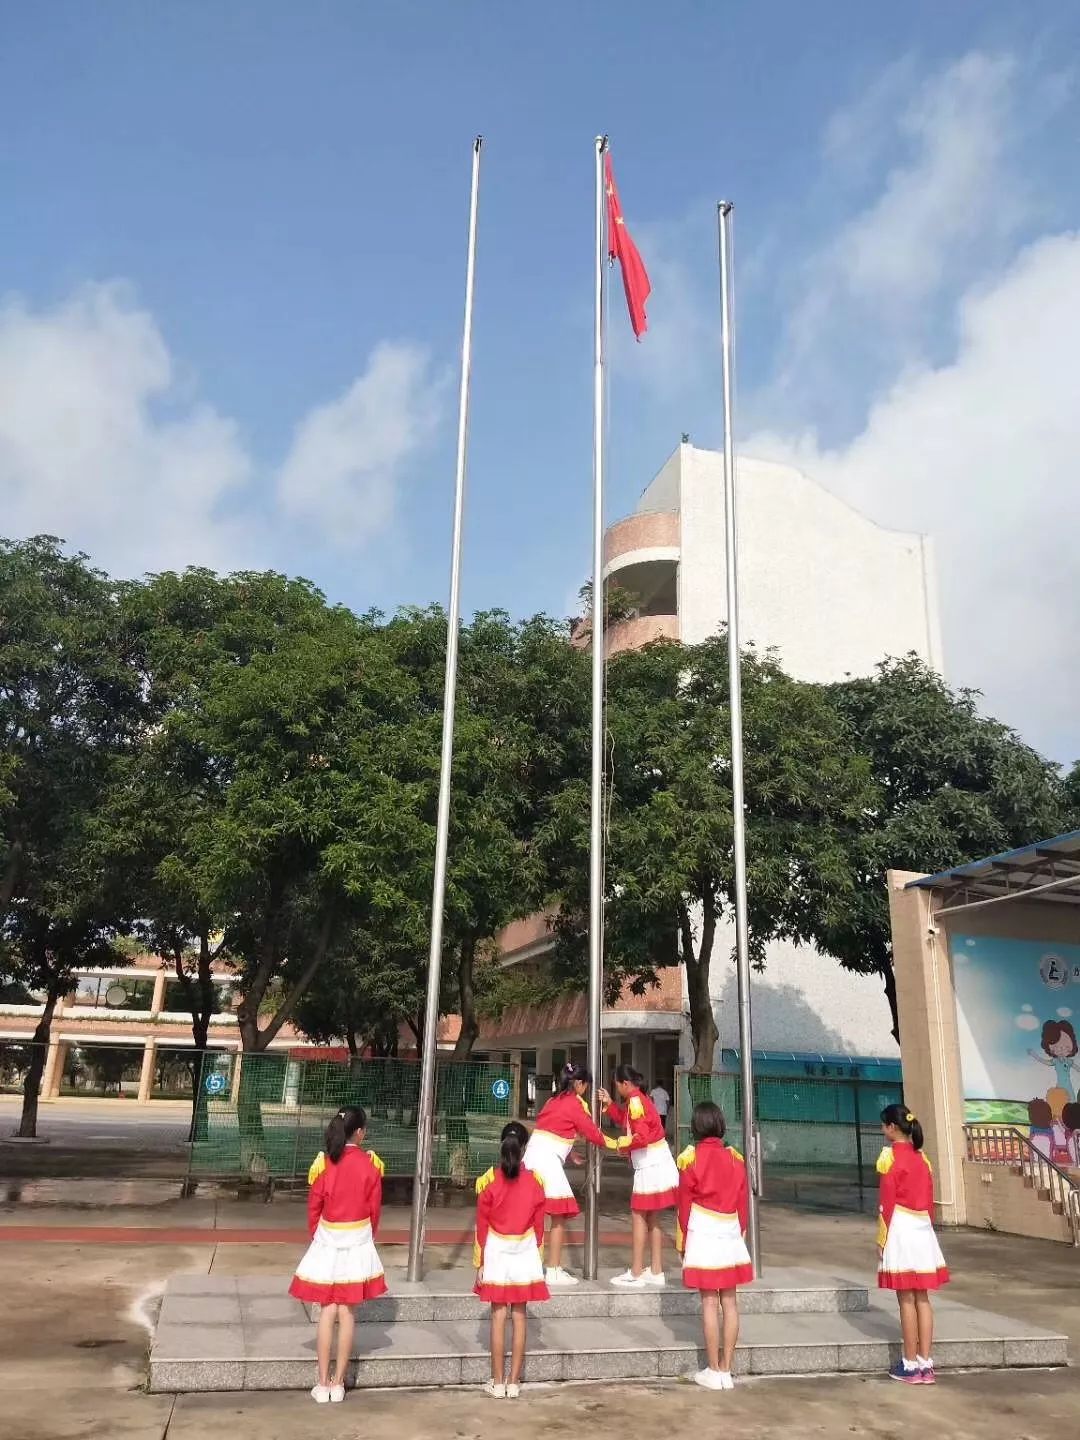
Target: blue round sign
(215, 1084)
(501, 1089)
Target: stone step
(239, 1339)
(447, 1295)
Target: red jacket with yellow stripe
(508, 1207)
(348, 1193)
(567, 1116)
(643, 1126)
(712, 1175)
(907, 1181)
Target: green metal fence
(271, 1121)
(820, 1137)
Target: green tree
(669, 873)
(521, 702)
(69, 707)
(952, 786)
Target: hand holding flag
(621, 247)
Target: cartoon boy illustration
(1041, 1121)
(1059, 1053)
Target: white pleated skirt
(545, 1155)
(512, 1270)
(715, 1256)
(340, 1267)
(656, 1178)
(911, 1258)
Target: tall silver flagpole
(742, 937)
(596, 810)
(426, 1103)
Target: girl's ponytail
(570, 1075)
(904, 1121)
(341, 1129)
(510, 1156)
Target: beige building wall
(968, 1192)
(929, 1044)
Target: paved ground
(76, 1322)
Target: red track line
(181, 1235)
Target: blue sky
(233, 264)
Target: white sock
(912, 1364)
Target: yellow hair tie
(910, 1118)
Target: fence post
(515, 1091)
(858, 1138)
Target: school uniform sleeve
(375, 1194)
(886, 1196)
(316, 1200)
(483, 1220)
(742, 1191)
(588, 1129)
(687, 1190)
(539, 1213)
(635, 1138)
(616, 1114)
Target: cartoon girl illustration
(1059, 1053)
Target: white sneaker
(496, 1389)
(320, 1394)
(712, 1380)
(556, 1275)
(337, 1394)
(652, 1278)
(512, 1391)
(629, 1281)
(726, 1380)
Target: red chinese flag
(621, 247)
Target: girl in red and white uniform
(656, 1177)
(910, 1259)
(508, 1254)
(562, 1120)
(341, 1267)
(711, 1234)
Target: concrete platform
(244, 1333)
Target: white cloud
(341, 475)
(1064, 1012)
(1027, 1022)
(952, 350)
(955, 128)
(982, 452)
(101, 444)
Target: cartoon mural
(1016, 1024)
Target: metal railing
(1006, 1145)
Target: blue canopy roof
(1050, 868)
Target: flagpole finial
(601, 143)
(477, 144)
(725, 207)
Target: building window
(176, 1001)
(114, 992)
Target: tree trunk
(38, 1054)
(888, 976)
(698, 965)
(470, 1025)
